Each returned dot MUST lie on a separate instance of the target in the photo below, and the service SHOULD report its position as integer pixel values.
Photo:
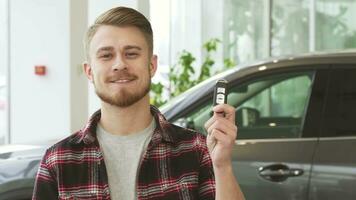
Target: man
(128, 150)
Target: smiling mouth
(122, 81)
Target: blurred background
(44, 95)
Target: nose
(119, 64)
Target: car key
(220, 97)
(220, 93)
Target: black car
(297, 125)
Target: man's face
(120, 66)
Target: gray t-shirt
(122, 155)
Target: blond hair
(121, 17)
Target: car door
(272, 157)
(333, 174)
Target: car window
(340, 114)
(269, 107)
(277, 108)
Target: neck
(126, 120)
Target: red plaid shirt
(176, 165)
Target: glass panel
(245, 37)
(290, 27)
(272, 107)
(335, 24)
(341, 104)
(160, 21)
(277, 102)
(277, 108)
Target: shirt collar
(162, 132)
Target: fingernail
(222, 114)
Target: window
(275, 108)
(335, 24)
(290, 27)
(340, 115)
(270, 107)
(245, 37)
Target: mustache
(121, 75)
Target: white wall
(39, 35)
(3, 71)
(78, 81)
(41, 105)
(3, 36)
(51, 107)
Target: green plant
(157, 90)
(181, 75)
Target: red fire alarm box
(40, 70)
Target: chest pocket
(185, 188)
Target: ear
(88, 71)
(153, 65)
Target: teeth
(121, 81)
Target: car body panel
(334, 169)
(250, 155)
(334, 166)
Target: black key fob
(220, 92)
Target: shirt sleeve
(45, 184)
(206, 172)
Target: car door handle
(278, 172)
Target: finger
(219, 114)
(211, 141)
(227, 109)
(222, 124)
(225, 122)
(225, 127)
(221, 137)
(214, 118)
(232, 134)
(209, 122)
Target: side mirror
(246, 116)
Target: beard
(124, 97)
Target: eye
(131, 55)
(105, 56)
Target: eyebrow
(107, 48)
(129, 47)
(110, 48)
